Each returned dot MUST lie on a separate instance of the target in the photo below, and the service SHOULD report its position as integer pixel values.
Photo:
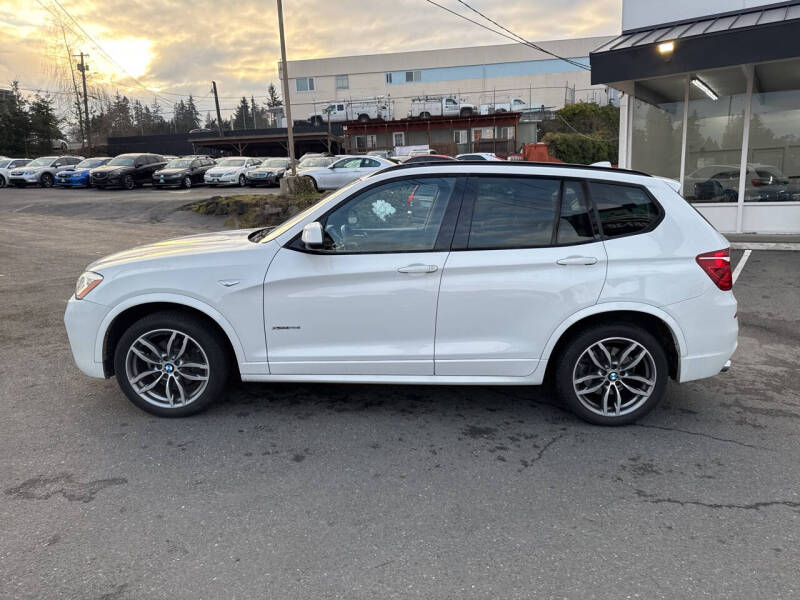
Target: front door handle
(577, 260)
(418, 268)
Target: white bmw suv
(604, 281)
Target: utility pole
(329, 130)
(285, 81)
(216, 102)
(82, 67)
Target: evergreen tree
(14, 124)
(242, 117)
(273, 99)
(43, 124)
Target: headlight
(86, 283)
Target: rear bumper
(82, 320)
(711, 331)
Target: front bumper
(268, 179)
(82, 319)
(225, 180)
(107, 181)
(23, 179)
(167, 181)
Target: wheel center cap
(613, 376)
(169, 367)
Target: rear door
(526, 255)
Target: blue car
(79, 176)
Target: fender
(173, 299)
(609, 307)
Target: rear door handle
(418, 268)
(577, 260)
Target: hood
(110, 168)
(28, 168)
(221, 170)
(73, 172)
(178, 248)
(173, 171)
(269, 169)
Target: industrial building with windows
(711, 98)
(479, 75)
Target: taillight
(717, 265)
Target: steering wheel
(336, 234)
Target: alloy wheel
(167, 368)
(614, 376)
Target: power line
(517, 39)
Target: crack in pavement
(540, 454)
(705, 435)
(653, 499)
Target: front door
(364, 304)
(525, 258)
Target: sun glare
(133, 54)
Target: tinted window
(513, 212)
(348, 163)
(623, 209)
(471, 157)
(398, 216)
(369, 162)
(574, 223)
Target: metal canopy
(748, 36)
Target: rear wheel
(363, 118)
(311, 181)
(46, 180)
(466, 112)
(612, 374)
(424, 115)
(171, 364)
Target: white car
(42, 171)
(230, 171)
(478, 156)
(9, 164)
(344, 170)
(605, 280)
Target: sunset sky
(175, 47)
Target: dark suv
(183, 172)
(127, 171)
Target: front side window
(513, 212)
(623, 209)
(348, 163)
(342, 82)
(398, 216)
(370, 162)
(304, 84)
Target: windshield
(286, 225)
(90, 163)
(42, 162)
(121, 161)
(315, 162)
(231, 162)
(280, 163)
(4, 163)
(178, 164)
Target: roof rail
(515, 163)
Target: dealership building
(711, 98)
(479, 75)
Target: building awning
(732, 38)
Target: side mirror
(312, 235)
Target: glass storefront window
(714, 130)
(657, 126)
(773, 154)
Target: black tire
(186, 183)
(46, 180)
(466, 112)
(3, 182)
(201, 333)
(312, 181)
(242, 181)
(569, 357)
(128, 182)
(424, 115)
(316, 121)
(363, 118)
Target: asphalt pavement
(293, 491)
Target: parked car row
(129, 171)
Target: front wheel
(242, 181)
(187, 182)
(46, 181)
(612, 374)
(128, 183)
(2, 182)
(171, 364)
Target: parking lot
(334, 491)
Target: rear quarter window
(624, 209)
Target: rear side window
(623, 209)
(574, 223)
(513, 212)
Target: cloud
(236, 44)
